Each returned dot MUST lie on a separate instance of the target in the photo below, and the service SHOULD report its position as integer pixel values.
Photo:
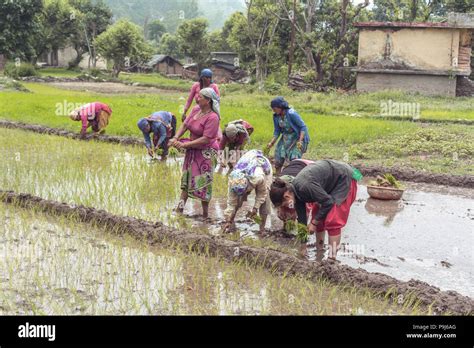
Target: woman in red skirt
(331, 186)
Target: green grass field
(333, 104)
(345, 137)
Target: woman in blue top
(294, 133)
(163, 126)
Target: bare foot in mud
(180, 207)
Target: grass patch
(348, 138)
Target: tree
(194, 41)
(58, 24)
(235, 34)
(170, 45)
(92, 19)
(19, 28)
(156, 29)
(326, 35)
(261, 28)
(123, 43)
(171, 12)
(218, 42)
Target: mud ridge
(442, 302)
(408, 174)
(68, 134)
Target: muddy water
(428, 235)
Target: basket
(384, 193)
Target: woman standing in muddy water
(293, 131)
(332, 186)
(201, 150)
(205, 81)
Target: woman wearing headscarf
(332, 187)
(236, 134)
(252, 172)
(293, 131)
(205, 81)
(201, 149)
(95, 115)
(163, 126)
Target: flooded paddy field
(53, 265)
(427, 236)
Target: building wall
(431, 85)
(62, 57)
(168, 69)
(415, 48)
(220, 75)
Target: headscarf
(211, 94)
(238, 182)
(75, 115)
(231, 131)
(279, 102)
(233, 128)
(143, 125)
(206, 73)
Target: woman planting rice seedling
(163, 126)
(332, 188)
(205, 81)
(252, 172)
(294, 134)
(236, 134)
(288, 174)
(201, 150)
(96, 115)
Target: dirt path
(443, 302)
(404, 174)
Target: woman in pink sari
(201, 150)
(205, 81)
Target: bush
(23, 70)
(96, 73)
(7, 83)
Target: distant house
(165, 65)
(224, 65)
(429, 58)
(60, 58)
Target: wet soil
(69, 134)
(407, 174)
(442, 301)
